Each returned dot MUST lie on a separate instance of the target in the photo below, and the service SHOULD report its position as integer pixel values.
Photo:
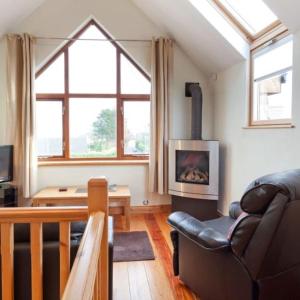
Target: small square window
(272, 72)
(136, 127)
(92, 133)
(49, 124)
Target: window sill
(269, 126)
(92, 163)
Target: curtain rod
(99, 40)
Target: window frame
(273, 38)
(130, 100)
(57, 99)
(249, 36)
(275, 31)
(65, 98)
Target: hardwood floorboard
(161, 219)
(121, 290)
(158, 282)
(138, 282)
(152, 279)
(165, 256)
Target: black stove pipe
(193, 90)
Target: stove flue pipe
(193, 89)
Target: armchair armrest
(235, 210)
(197, 231)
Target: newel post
(98, 201)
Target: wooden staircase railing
(88, 278)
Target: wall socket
(146, 202)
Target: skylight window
(254, 15)
(208, 10)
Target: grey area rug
(132, 246)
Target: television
(6, 163)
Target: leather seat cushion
(221, 225)
(204, 235)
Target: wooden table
(119, 200)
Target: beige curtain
(162, 64)
(21, 111)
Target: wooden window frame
(57, 99)
(272, 38)
(245, 33)
(65, 97)
(275, 31)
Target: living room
(211, 52)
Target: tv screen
(6, 163)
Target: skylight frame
(248, 35)
(273, 33)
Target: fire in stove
(194, 175)
(192, 167)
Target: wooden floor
(149, 280)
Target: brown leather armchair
(254, 253)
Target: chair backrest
(265, 233)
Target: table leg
(127, 214)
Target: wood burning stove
(193, 169)
(194, 166)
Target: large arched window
(92, 101)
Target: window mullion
(66, 108)
(120, 119)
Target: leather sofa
(252, 254)
(22, 262)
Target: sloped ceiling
(197, 37)
(194, 34)
(14, 11)
(287, 11)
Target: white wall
(63, 17)
(250, 153)
(134, 176)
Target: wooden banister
(98, 201)
(82, 278)
(7, 260)
(64, 258)
(43, 214)
(89, 275)
(36, 246)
